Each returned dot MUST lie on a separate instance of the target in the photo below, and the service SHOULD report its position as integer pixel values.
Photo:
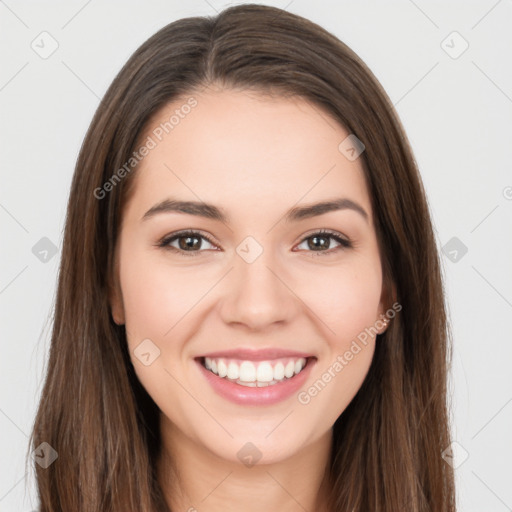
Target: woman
(250, 311)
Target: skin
(255, 157)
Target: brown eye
(321, 242)
(189, 242)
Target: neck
(195, 479)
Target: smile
(255, 373)
(256, 383)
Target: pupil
(187, 245)
(315, 238)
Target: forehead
(239, 148)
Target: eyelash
(164, 243)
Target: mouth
(256, 373)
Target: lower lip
(268, 395)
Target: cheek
(346, 300)
(159, 302)
(349, 308)
(158, 296)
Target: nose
(258, 294)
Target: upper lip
(256, 355)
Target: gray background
(457, 111)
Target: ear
(115, 296)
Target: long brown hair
(93, 410)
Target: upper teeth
(251, 373)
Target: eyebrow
(211, 211)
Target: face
(258, 281)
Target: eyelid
(323, 231)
